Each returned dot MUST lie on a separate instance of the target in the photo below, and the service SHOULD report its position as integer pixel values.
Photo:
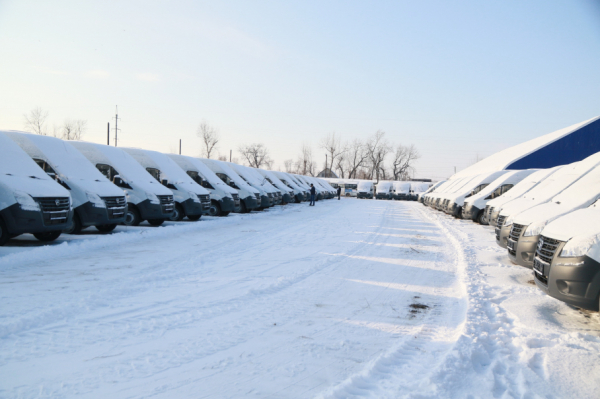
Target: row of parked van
(390, 190)
(49, 186)
(548, 220)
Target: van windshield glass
(227, 180)
(195, 176)
(45, 167)
(107, 171)
(155, 173)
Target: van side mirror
(165, 182)
(117, 181)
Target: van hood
(34, 187)
(576, 225)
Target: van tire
(4, 236)
(215, 209)
(75, 226)
(132, 216)
(156, 222)
(48, 236)
(178, 214)
(106, 228)
(194, 218)
(481, 218)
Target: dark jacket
(312, 190)
(339, 190)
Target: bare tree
(333, 147)
(377, 149)
(222, 158)
(356, 158)
(256, 154)
(403, 161)
(35, 121)
(73, 129)
(210, 138)
(288, 164)
(305, 164)
(340, 164)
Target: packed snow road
(350, 298)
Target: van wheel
(106, 228)
(47, 237)
(4, 236)
(178, 214)
(215, 209)
(75, 226)
(481, 218)
(156, 222)
(132, 217)
(193, 218)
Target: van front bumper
(523, 250)
(227, 204)
(19, 221)
(502, 235)
(364, 195)
(470, 212)
(286, 198)
(575, 281)
(250, 202)
(149, 211)
(89, 215)
(192, 208)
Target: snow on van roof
(365, 185)
(274, 179)
(225, 168)
(195, 164)
(127, 167)
(503, 159)
(384, 185)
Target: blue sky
(459, 79)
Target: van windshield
(227, 180)
(107, 171)
(45, 167)
(155, 173)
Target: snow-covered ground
(351, 298)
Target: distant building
(423, 180)
(327, 173)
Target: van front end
(38, 215)
(99, 211)
(571, 279)
(471, 212)
(502, 231)
(154, 209)
(229, 203)
(521, 248)
(364, 194)
(196, 205)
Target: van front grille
(115, 206)
(257, 195)
(167, 203)
(500, 222)
(546, 249)
(54, 210)
(235, 196)
(515, 231)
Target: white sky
(457, 79)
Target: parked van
(543, 192)
(223, 198)
(299, 193)
(364, 189)
(384, 190)
(96, 201)
(422, 198)
(267, 199)
(328, 191)
(528, 225)
(492, 208)
(474, 206)
(401, 190)
(287, 192)
(320, 193)
(30, 200)
(147, 199)
(567, 258)
(456, 200)
(249, 196)
(191, 199)
(260, 179)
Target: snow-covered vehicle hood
(578, 225)
(226, 169)
(512, 177)
(194, 164)
(401, 187)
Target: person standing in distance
(312, 195)
(339, 192)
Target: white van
(260, 179)
(384, 190)
(223, 198)
(567, 258)
(287, 193)
(474, 206)
(456, 200)
(325, 189)
(528, 225)
(249, 196)
(147, 199)
(543, 192)
(191, 199)
(320, 193)
(96, 201)
(299, 193)
(267, 197)
(364, 189)
(30, 200)
(424, 198)
(401, 190)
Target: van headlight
(194, 197)
(153, 198)
(579, 247)
(534, 229)
(95, 200)
(26, 201)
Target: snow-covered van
(267, 197)
(191, 199)
(277, 193)
(528, 225)
(567, 258)
(401, 190)
(299, 193)
(543, 192)
(249, 196)
(422, 197)
(328, 191)
(147, 199)
(30, 200)
(287, 193)
(223, 198)
(474, 206)
(456, 200)
(492, 208)
(96, 201)
(319, 191)
(418, 188)
(384, 190)
(364, 189)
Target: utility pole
(116, 123)
(179, 146)
(326, 173)
(230, 151)
(108, 134)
